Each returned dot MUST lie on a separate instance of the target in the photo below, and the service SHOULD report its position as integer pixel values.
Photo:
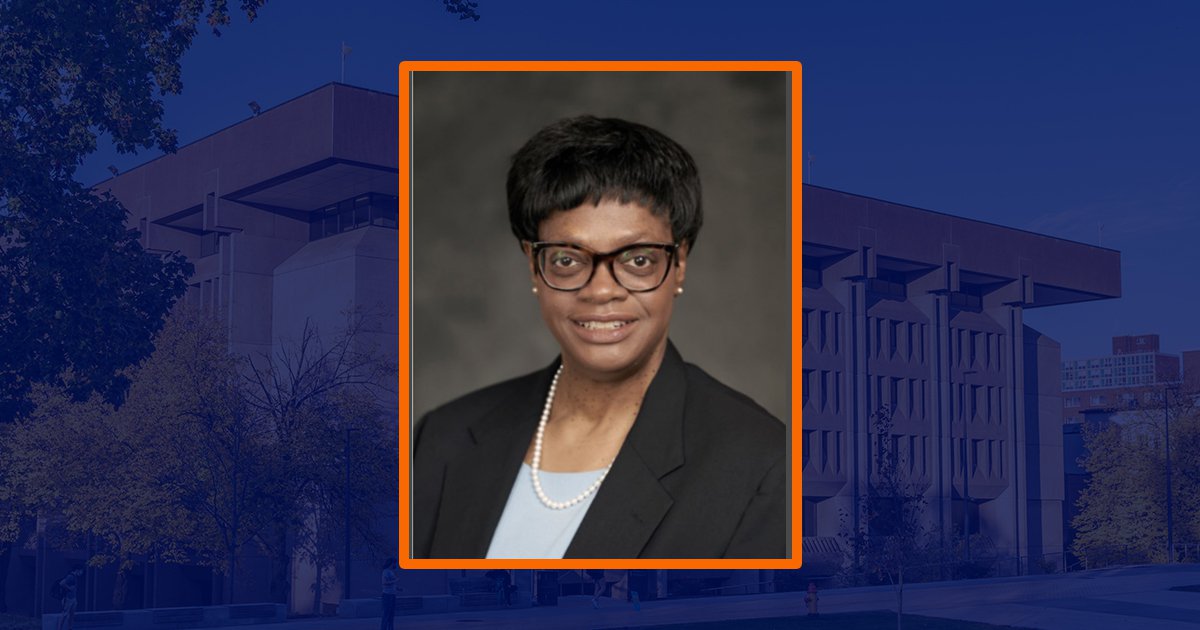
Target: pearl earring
(534, 289)
(679, 291)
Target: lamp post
(1167, 447)
(346, 581)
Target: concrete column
(860, 404)
(1015, 457)
(943, 436)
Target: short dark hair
(587, 160)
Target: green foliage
(894, 539)
(85, 466)
(211, 456)
(1122, 517)
(72, 71)
(79, 298)
(322, 398)
(211, 453)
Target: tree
(1122, 511)
(79, 298)
(172, 473)
(248, 447)
(212, 455)
(319, 393)
(80, 465)
(894, 539)
(464, 9)
(216, 459)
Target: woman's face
(606, 331)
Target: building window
(351, 214)
(362, 210)
(889, 285)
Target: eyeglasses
(639, 267)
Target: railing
(962, 569)
(746, 585)
(1186, 552)
(1124, 555)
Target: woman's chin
(608, 361)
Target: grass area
(873, 620)
(13, 622)
(1190, 588)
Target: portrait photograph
(600, 315)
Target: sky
(1077, 120)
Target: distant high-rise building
(1130, 377)
(1191, 370)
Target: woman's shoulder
(728, 414)
(465, 410)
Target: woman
(618, 449)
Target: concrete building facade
(290, 217)
(922, 314)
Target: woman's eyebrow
(638, 238)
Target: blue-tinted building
(922, 313)
(289, 216)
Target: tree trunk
(317, 595)
(900, 600)
(121, 583)
(281, 581)
(230, 576)
(5, 552)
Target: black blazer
(700, 475)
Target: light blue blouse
(529, 529)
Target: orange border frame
(405, 304)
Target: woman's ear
(527, 247)
(681, 264)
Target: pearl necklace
(537, 458)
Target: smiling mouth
(594, 325)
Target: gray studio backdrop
(475, 321)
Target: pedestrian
(597, 576)
(502, 579)
(69, 587)
(389, 579)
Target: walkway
(1120, 598)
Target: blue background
(1076, 120)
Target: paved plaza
(1118, 598)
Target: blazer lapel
(632, 501)
(477, 490)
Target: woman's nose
(603, 286)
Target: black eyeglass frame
(599, 258)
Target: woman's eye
(637, 259)
(563, 261)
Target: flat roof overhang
(915, 240)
